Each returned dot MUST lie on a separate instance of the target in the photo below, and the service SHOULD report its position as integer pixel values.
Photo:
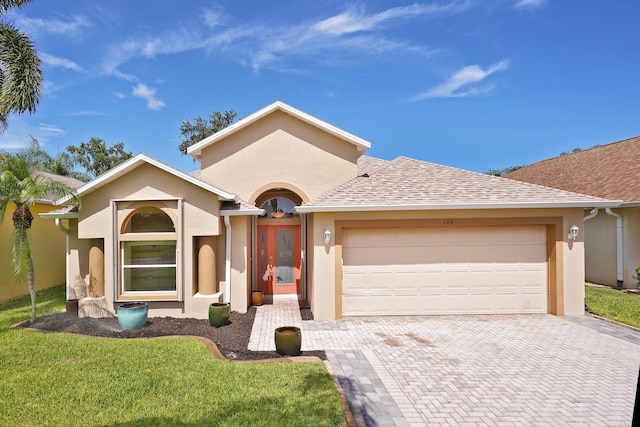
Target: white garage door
(444, 270)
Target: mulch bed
(232, 339)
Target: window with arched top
(148, 253)
(277, 207)
(149, 219)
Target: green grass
(615, 305)
(63, 380)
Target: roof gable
(133, 163)
(196, 149)
(409, 184)
(608, 171)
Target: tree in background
(202, 128)
(39, 160)
(19, 185)
(96, 158)
(503, 171)
(20, 73)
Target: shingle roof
(69, 181)
(609, 171)
(409, 184)
(368, 164)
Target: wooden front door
(279, 259)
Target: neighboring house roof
(608, 171)
(67, 180)
(135, 162)
(196, 149)
(408, 184)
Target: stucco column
(207, 265)
(96, 268)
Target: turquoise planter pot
(133, 315)
(219, 314)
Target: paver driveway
(478, 370)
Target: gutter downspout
(592, 214)
(619, 249)
(227, 292)
(66, 254)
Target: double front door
(279, 259)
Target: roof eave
(53, 215)
(631, 204)
(133, 163)
(459, 206)
(244, 212)
(196, 149)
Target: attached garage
(444, 270)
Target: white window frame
(124, 267)
(119, 205)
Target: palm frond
(21, 73)
(7, 5)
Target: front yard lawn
(615, 305)
(65, 380)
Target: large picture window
(148, 254)
(149, 266)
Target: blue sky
(471, 84)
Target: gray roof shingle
(408, 184)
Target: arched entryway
(279, 244)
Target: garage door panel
(445, 271)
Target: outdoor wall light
(327, 236)
(573, 232)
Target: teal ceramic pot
(133, 315)
(288, 340)
(219, 314)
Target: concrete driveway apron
(538, 370)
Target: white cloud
(530, 4)
(258, 45)
(352, 20)
(47, 129)
(464, 82)
(150, 47)
(214, 18)
(71, 26)
(21, 128)
(55, 61)
(119, 95)
(149, 94)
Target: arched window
(149, 219)
(277, 207)
(148, 255)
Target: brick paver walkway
(511, 370)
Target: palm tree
(20, 187)
(20, 73)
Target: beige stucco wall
(631, 241)
(325, 258)
(47, 250)
(600, 249)
(200, 217)
(279, 151)
(240, 264)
